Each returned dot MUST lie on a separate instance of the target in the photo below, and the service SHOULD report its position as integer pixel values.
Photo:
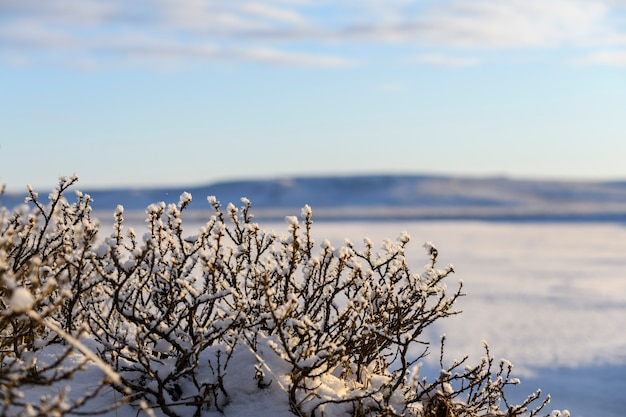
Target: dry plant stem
(104, 367)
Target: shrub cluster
(46, 276)
(335, 331)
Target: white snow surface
(549, 297)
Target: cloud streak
(612, 58)
(297, 32)
(446, 60)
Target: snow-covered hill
(392, 197)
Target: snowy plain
(548, 296)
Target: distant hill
(389, 197)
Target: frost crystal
(292, 220)
(430, 247)
(306, 211)
(185, 198)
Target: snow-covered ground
(550, 297)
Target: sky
(189, 92)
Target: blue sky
(190, 91)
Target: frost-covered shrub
(347, 323)
(183, 323)
(45, 278)
(163, 305)
(348, 317)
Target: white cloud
(275, 56)
(608, 58)
(264, 31)
(509, 24)
(279, 14)
(446, 60)
(26, 34)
